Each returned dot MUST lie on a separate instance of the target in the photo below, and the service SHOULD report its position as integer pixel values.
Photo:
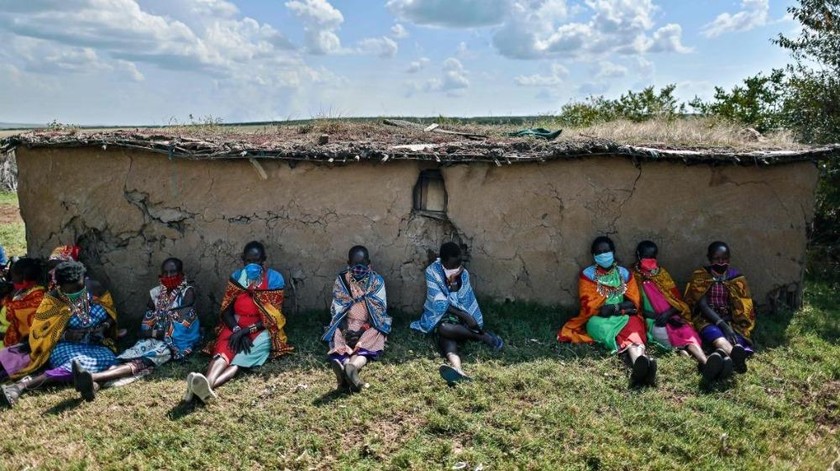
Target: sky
(154, 62)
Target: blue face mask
(253, 271)
(605, 260)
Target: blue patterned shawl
(374, 298)
(439, 298)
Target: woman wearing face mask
(250, 330)
(722, 307)
(668, 316)
(360, 321)
(75, 324)
(169, 330)
(19, 311)
(609, 305)
(451, 311)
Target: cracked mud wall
(527, 227)
(530, 227)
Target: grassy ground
(12, 236)
(537, 405)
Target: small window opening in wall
(430, 194)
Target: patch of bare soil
(9, 214)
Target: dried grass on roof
(342, 140)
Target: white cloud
(382, 47)
(537, 29)
(610, 70)
(398, 31)
(557, 76)
(453, 80)
(450, 13)
(754, 13)
(668, 39)
(321, 22)
(417, 66)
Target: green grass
(8, 197)
(537, 405)
(12, 235)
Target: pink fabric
(657, 300)
(13, 360)
(678, 337)
(682, 336)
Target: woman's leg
(723, 344)
(226, 375)
(459, 333)
(449, 349)
(215, 369)
(351, 368)
(117, 372)
(358, 361)
(697, 353)
(13, 391)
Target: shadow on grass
(183, 409)
(65, 405)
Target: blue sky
(159, 61)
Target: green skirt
(605, 329)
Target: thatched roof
(337, 142)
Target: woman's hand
(75, 335)
(728, 332)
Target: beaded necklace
(608, 283)
(79, 308)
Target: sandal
(84, 384)
(351, 374)
(452, 375)
(713, 367)
(498, 343)
(11, 393)
(189, 394)
(75, 368)
(201, 388)
(739, 359)
(650, 377)
(639, 370)
(727, 369)
(340, 376)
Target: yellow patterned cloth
(740, 299)
(48, 326)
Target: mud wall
(527, 227)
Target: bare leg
(634, 352)
(14, 391)
(215, 368)
(358, 361)
(449, 348)
(226, 375)
(697, 353)
(116, 372)
(724, 345)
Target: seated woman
(360, 321)
(722, 307)
(62, 253)
(451, 311)
(169, 331)
(73, 326)
(668, 316)
(251, 324)
(19, 310)
(609, 305)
